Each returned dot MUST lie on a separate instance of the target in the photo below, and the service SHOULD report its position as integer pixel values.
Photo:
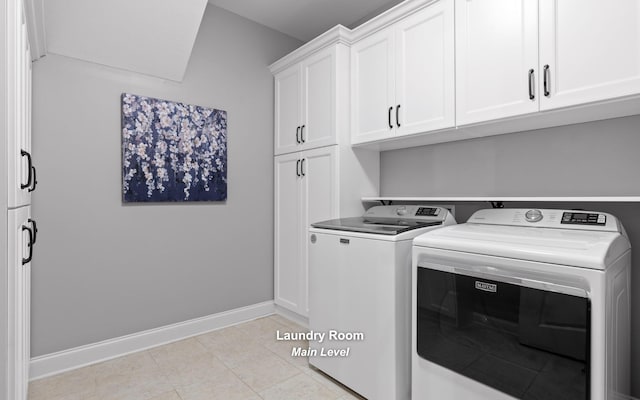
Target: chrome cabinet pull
(532, 88)
(547, 80)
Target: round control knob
(533, 215)
(401, 211)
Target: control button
(401, 211)
(533, 215)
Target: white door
(590, 50)
(19, 161)
(319, 199)
(287, 231)
(20, 247)
(496, 59)
(319, 100)
(425, 70)
(372, 87)
(288, 107)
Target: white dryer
(524, 304)
(360, 290)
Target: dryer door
(527, 342)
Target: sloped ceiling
(306, 19)
(153, 37)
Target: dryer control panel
(546, 218)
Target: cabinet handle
(34, 182)
(398, 115)
(30, 245)
(35, 229)
(298, 135)
(532, 89)
(298, 168)
(24, 153)
(389, 117)
(547, 80)
(302, 167)
(302, 134)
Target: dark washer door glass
(528, 343)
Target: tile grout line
(261, 344)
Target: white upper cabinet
(590, 50)
(372, 86)
(305, 105)
(319, 100)
(20, 170)
(288, 91)
(425, 70)
(402, 77)
(496, 59)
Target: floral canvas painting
(172, 151)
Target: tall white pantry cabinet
(317, 174)
(19, 180)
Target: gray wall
(103, 269)
(597, 158)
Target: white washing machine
(360, 291)
(524, 304)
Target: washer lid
(390, 220)
(380, 226)
(579, 248)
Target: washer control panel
(427, 211)
(584, 218)
(409, 212)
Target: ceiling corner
(34, 15)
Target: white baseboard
(295, 317)
(66, 360)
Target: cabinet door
(591, 48)
(287, 231)
(319, 201)
(20, 242)
(372, 87)
(425, 70)
(288, 107)
(19, 166)
(496, 48)
(319, 100)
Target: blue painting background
(172, 151)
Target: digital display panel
(583, 218)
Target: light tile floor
(241, 362)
